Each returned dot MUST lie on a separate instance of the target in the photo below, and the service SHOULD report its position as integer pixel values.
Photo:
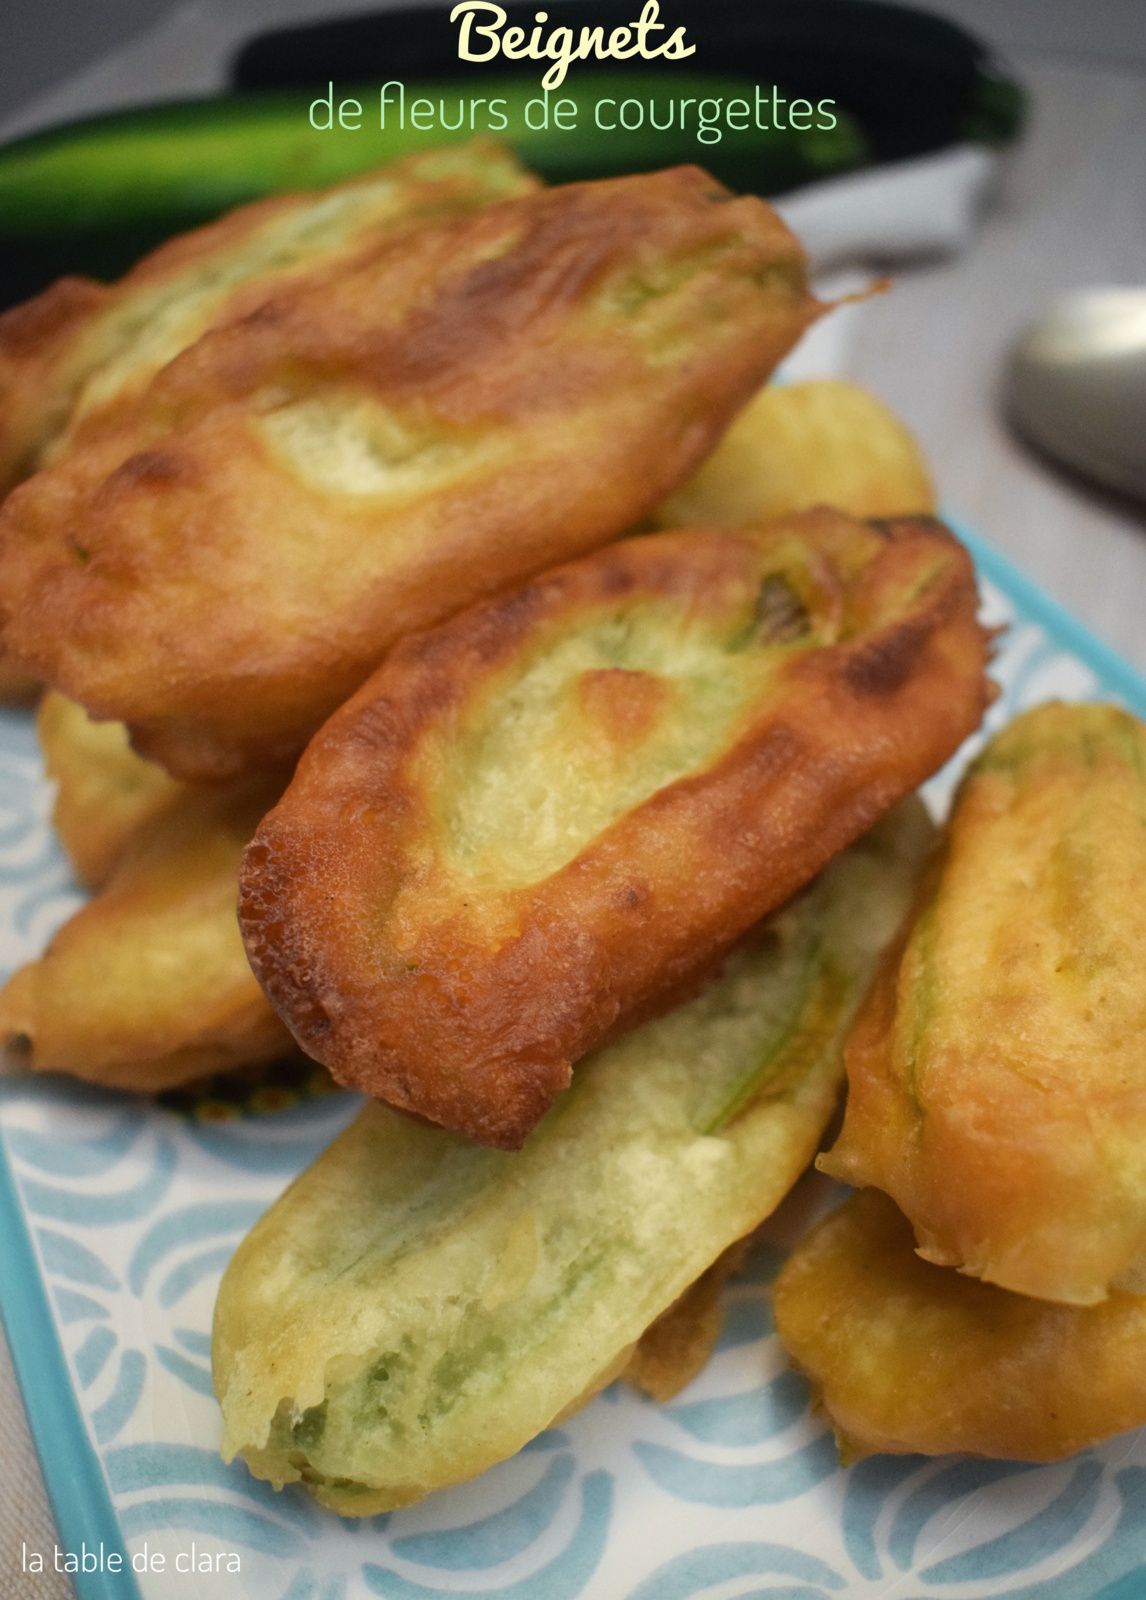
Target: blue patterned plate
(116, 1219)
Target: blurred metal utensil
(1077, 386)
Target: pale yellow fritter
(226, 560)
(908, 1358)
(547, 818)
(147, 986)
(417, 1307)
(77, 356)
(104, 792)
(823, 442)
(997, 1076)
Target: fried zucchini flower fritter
(74, 360)
(416, 1308)
(997, 1075)
(796, 445)
(147, 986)
(547, 819)
(909, 1358)
(105, 793)
(381, 443)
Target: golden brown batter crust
(481, 871)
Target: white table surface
(1071, 211)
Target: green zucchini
(90, 197)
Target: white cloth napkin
(885, 216)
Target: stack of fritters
(418, 1306)
(597, 835)
(995, 1093)
(222, 550)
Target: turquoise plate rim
(73, 1476)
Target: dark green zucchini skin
(914, 81)
(91, 197)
